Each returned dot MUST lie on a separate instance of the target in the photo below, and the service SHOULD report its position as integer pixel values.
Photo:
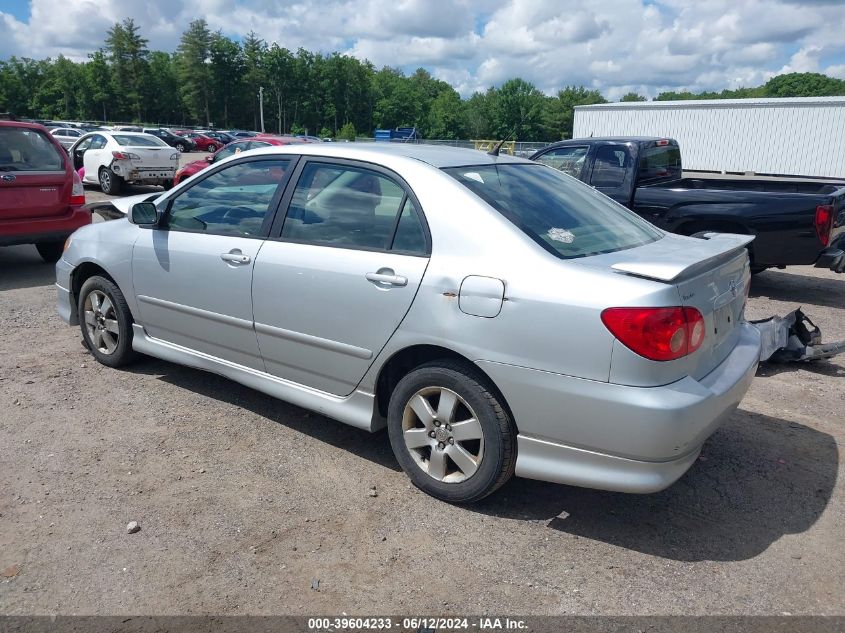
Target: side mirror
(209, 158)
(143, 214)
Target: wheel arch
(82, 273)
(405, 360)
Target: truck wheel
(450, 433)
(50, 251)
(106, 322)
(110, 182)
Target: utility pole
(261, 105)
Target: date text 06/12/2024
(417, 624)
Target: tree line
(213, 80)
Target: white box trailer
(801, 136)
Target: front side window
(232, 201)
(611, 164)
(563, 215)
(569, 160)
(26, 149)
(338, 205)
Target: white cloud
(615, 46)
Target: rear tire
(462, 447)
(211, 148)
(50, 251)
(106, 322)
(110, 182)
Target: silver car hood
(674, 256)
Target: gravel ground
(243, 501)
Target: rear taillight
(657, 333)
(824, 221)
(125, 156)
(77, 192)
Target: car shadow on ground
(758, 479)
(319, 427)
(833, 368)
(22, 267)
(799, 289)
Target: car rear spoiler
(686, 259)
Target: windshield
(562, 214)
(134, 140)
(26, 149)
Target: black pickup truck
(794, 222)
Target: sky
(615, 46)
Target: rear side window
(611, 164)
(563, 215)
(25, 149)
(659, 163)
(351, 207)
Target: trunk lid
(34, 177)
(151, 157)
(710, 275)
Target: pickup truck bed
(793, 222)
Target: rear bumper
(147, 175)
(48, 229)
(615, 437)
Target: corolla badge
(8, 177)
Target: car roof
(434, 155)
(31, 126)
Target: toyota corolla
(496, 315)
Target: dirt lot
(244, 500)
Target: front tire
(106, 322)
(211, 148)
(110, 182)
(181, 147)
(50, 251)
(450, 433)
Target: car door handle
(235, 256)
(387, 278)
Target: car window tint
(343, 206)
(410, 236)
(662, 161)
(232, 201)
(564, 215)
(610, 165)
(97, 142)
(25, 149)
(569, 160)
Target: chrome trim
(314, 341)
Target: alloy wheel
(105, 180)
(443, 434)
(101, 322)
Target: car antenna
(498, 146)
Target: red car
(234, 147)
(202, 141)
(41, 196)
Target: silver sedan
(497, 316)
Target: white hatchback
(112, 158)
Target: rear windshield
(134, 140)
(25, 149)
(659, 163)
(562, 214)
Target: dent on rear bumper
(615, 437)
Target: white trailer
(801, 136)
